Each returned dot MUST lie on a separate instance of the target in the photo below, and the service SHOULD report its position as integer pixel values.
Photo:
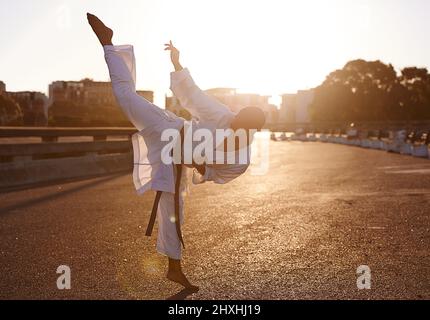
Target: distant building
(287, 113)
(87, 92)
(173, 105)
(272, 114)
(148, 95)
(226, 96)
(295, 107)
(303, 101)
(87, 103)
(34, 106)
(237, 101)
(2, 87)
(66, 91)
(232, 99)
(97, 93)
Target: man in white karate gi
(150, 171)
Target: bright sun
(257, 47)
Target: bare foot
(179, 277)
(103, 33)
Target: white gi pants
(143, 114)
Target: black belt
(150, 227)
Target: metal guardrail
(331, 126)
(49, 160)
(58, 148)
(54, 133)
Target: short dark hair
(253, 118)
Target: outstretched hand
(174, 55)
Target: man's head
(249, 118)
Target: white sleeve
(117, 72)
(196, 101)
(219, 175)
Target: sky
(266, 46)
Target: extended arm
(174, 56)
(191, 97)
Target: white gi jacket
(150, 173)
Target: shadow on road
(32, 202)
(182, 295)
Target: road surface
(298, 232)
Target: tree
(416, 82)
(372, 91)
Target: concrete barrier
(406, 148)
(420, 150)
(376, 144)
(25, 164)
(343, 139)
(312, 138)
(365, 143)
(405, 137)
(323, 138)
(24, 173)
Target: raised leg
(122, 70)
(103, 33)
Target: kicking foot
(103, 33)
(179, 277)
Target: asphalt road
(298, 232)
